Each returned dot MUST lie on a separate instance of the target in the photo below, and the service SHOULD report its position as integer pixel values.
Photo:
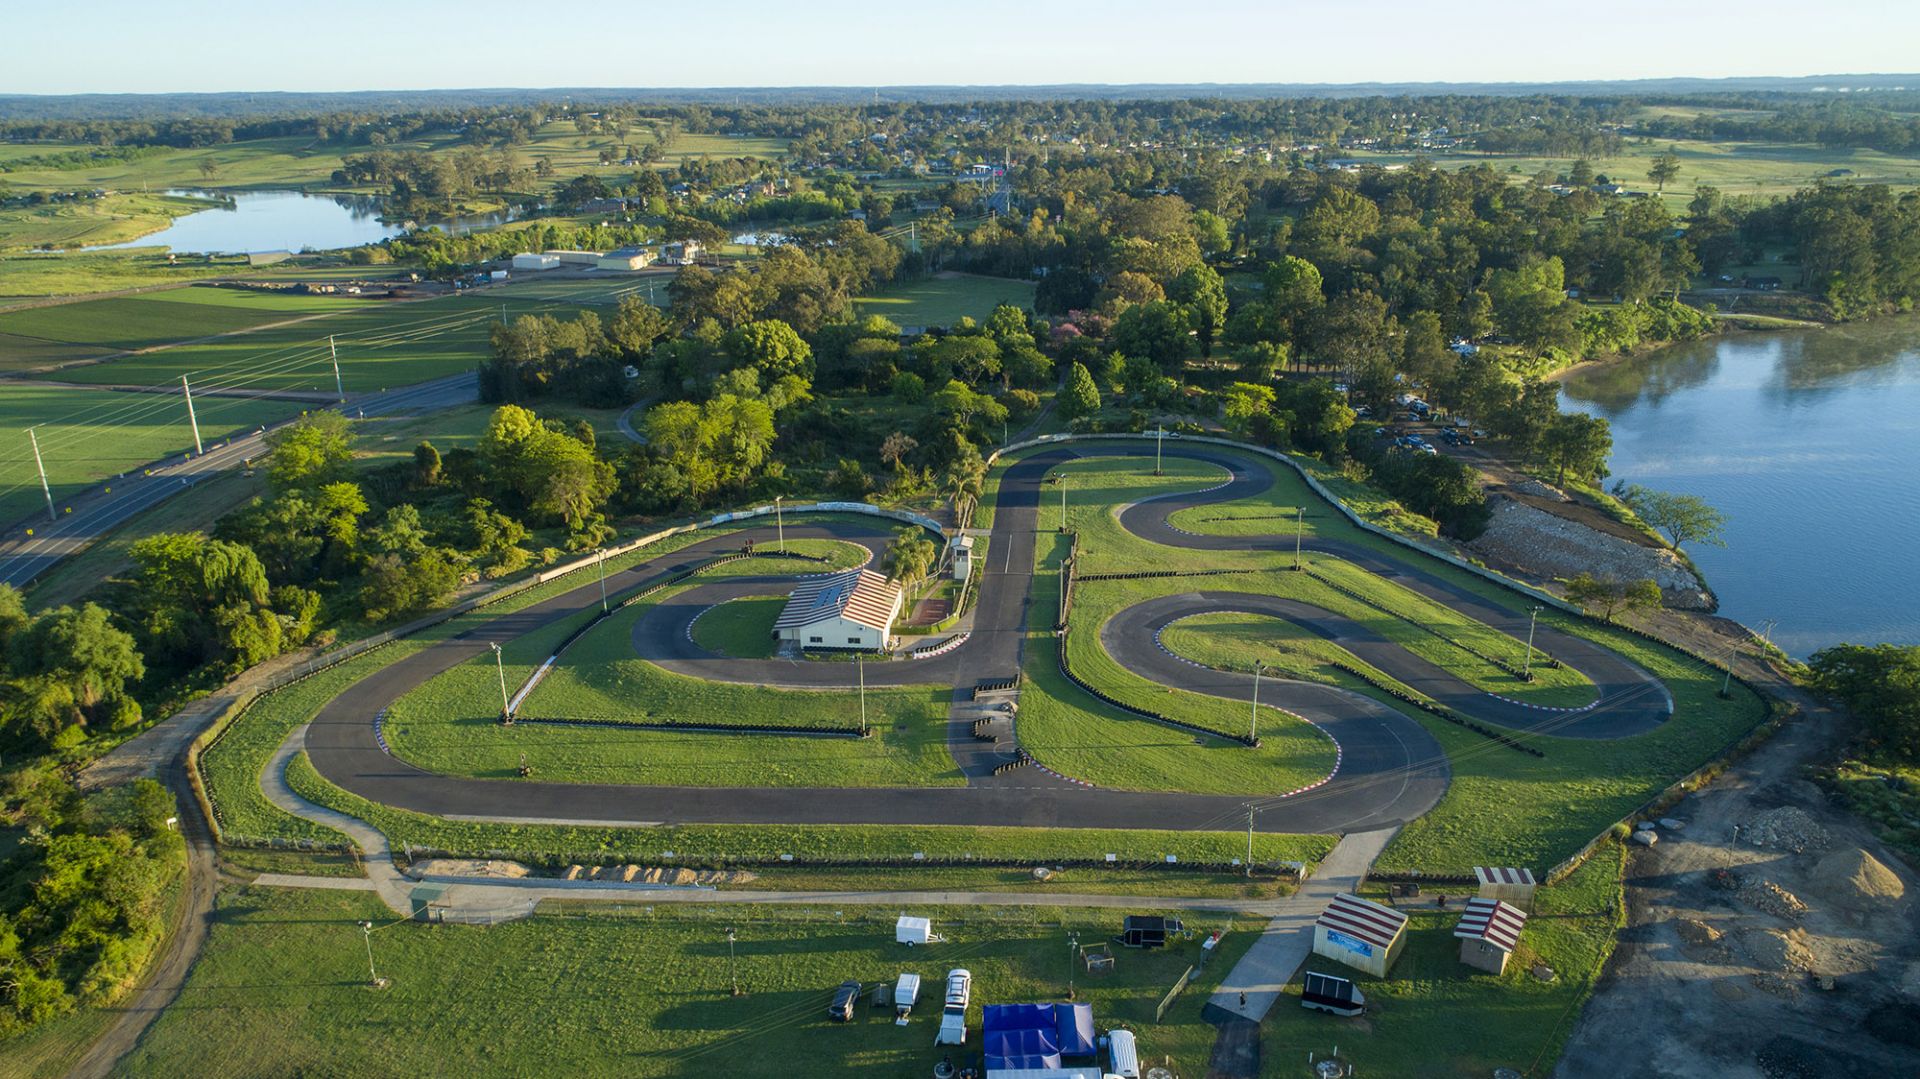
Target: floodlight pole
(1253, 729)
(191, 419)
(603, 580)
(860, 669)
(366, 931)
(499, 664)
(37, 463)
(1249, 839)
(1159, 441)
(1073, 953)
(733, 969)
(1533, 619)
(780, 522)
(1299, 526)
(334, 353)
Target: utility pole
(1253, 729)
(1533, 618)
(339, 390)
(191, 419)
(1073, 956)
(733, 969)
(780, 522)
(603, 580)
(860, 668)
(1249, 839)
(1299, 525)
(499, 664)
(1160, 440)
(44, 489)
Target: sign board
(1352, 944)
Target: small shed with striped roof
(1489, 932)
(1360, 933)
(852, 609)
(1514, 887)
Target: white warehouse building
(853, 609)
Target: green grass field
(89, 436)
(93, 327)
(114, 219)
(742, 628)
(283, 977)
(945, 299)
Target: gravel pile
(1787, 829)
(1765, 895)
(1857, 880)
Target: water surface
(1809, 441)
(249, 222)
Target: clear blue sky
(117, 46)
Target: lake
(1809, 441)
(254, 221)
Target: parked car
(844, 998)
(1425, 448)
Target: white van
(1123, 1055)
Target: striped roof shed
(1500, 875)
(1492, 921)
(857, 595)
(1362, 919)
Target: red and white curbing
(380, 733)
(1546, 707)
(941, 649)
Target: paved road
(100, 511)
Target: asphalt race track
(1391, 770)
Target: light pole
(1073, 955)
(1159, 441)
(1253, 728)
(860, 668)
(1249, 839)
(1726, 683)
(603, 580)
(1299, 526)
(780, 522)
(1059, 479)
(366, 931)
(733, 969)
(500, 665)
(1533, 619)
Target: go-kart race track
(1390, 769)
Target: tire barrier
(1545, 658)
(1145, 574)
(995, 685)
(983, 731)
(1024, 760)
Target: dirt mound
(1787, 828)
(1857, 880)
(682, 878)
(469, 867)
(1765, 895)
(1698, 933)
(1774, 950)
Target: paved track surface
(98, 512)
(1391, 770)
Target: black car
(844, 998)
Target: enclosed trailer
(953, 1015)
(905, 992)
(911, 931)
(1326, 993)
(1123, 1054)
(1147, 931)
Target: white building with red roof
(854, 609)
(1489, 932)
(1360, 933)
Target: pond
(247, 222)
(1809, 442)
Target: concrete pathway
(1287, 941)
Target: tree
(426, 465)
(1577, 443)
(1664, 168)
(315, 449)
(896, 446)
(1203, 293)
(1081, 397)
(909, 556)
(1684, 518)
(1157, 331)
(1607, 596)
(771, 347)
(1241, 402)
(1880, 684)
(636, 325)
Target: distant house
(625, 259)
(1610, 189)
(680, 253)
(1767, 284)
(851, 610)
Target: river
(249, 222)
(1809, 442)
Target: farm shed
(1362, 934)
(577, 258)
(527, 260)
(1514, 887)
(852, 609)
(1488, 933)
(625, 259)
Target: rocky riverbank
(1533, 543)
